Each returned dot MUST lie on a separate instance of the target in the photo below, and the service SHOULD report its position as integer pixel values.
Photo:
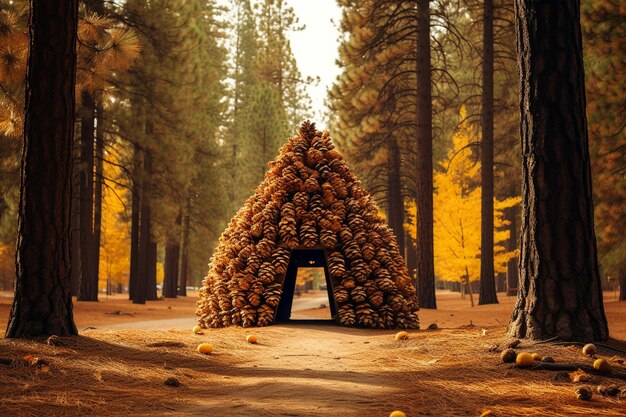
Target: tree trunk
(89, 282)
(622, 285)
(424, 201)
(134, 226)
(139, 294)
(468, 285)
(411, 259)
(42, 304)
(170, 267)
(151, 283)
(75, 226)
(184, 264)
(560, 292)
(487, 279)
(99, 178)
(512, 270)
(395, 211)
(170, 264)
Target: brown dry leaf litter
(291, 371)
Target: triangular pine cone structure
(308, 199)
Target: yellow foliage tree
(115, 229)
(457, 218)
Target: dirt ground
(116, 308)
(451, 312)
(296, 369)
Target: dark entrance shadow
(304, 258)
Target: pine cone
(364, 315)
(328, 238)
(336, 265)
(367, 250)
(272, 295)
(280, 260)
(267, 273)
(346, 315)
(265, 315)
(396, 302)
(341, 294)
(308, 235)
(358, 295)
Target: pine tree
(558, 297)
(42, 304)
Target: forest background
(181, 105)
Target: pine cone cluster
(308, 199)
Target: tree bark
(43, 304)
(184, 264)
(141, 283)
(395, 211)
(134, 226)
(151, 281)
(75, 226)
(512, 270)
(425, 248)
(88, 282)
(99, 178)
(170, 264)
(560, 292)
(487, 277)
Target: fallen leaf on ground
(579, 376)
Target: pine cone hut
(308, 199)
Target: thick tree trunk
(487, 278)
(184, 262)
(134, 226)
(622, 285)
(43, 304)
(512, 270)
(99, 178)
(395, 211)
(425, 249)
(89, 282)
(560, 292)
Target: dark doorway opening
(307, 267)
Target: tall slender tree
(424, 197)
(42, 304)
(487, 279)
(560, 292)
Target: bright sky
(315, 48)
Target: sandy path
(184, 323)
(306, 370)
